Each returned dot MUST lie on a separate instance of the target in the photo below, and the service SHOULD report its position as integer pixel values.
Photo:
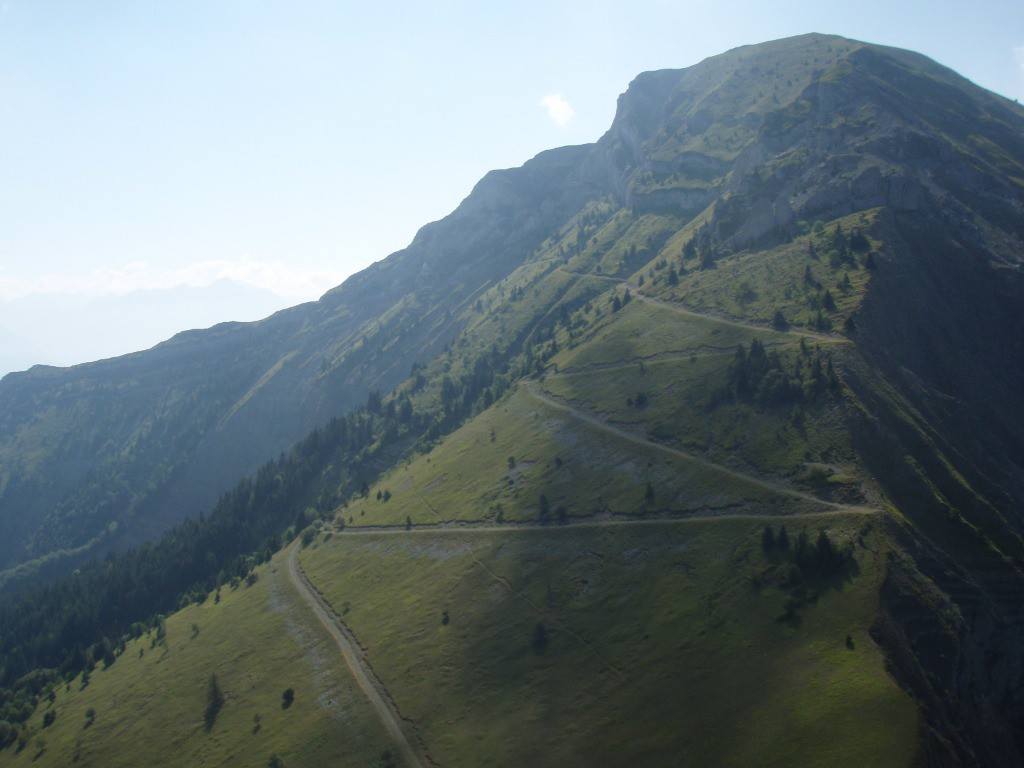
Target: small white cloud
(559, 110)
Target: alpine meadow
(702, 444)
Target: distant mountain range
(62, 329)
(833, 233)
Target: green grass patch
(643, 330)
(678, 400)
(497, 467)
(804, 278)
(148, 708)
(621, 645)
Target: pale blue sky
(288, 145)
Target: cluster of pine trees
(758, 375)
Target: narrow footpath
(532, 389)
(410, 750)
(681, 310)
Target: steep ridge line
(531, 389)
(411, 751)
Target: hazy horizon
(33, 328)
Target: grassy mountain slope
(784, 289)
(632, 615)
(654, 646)
(568, 623)
(151, 707)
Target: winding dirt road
(681, 310)
(532, 389)
(410, 751)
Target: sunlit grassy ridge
(666, 377)
(643, 330)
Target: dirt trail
(410, 751)
(679, 309)
(532, 390)
(512, 526)
(409, 747)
